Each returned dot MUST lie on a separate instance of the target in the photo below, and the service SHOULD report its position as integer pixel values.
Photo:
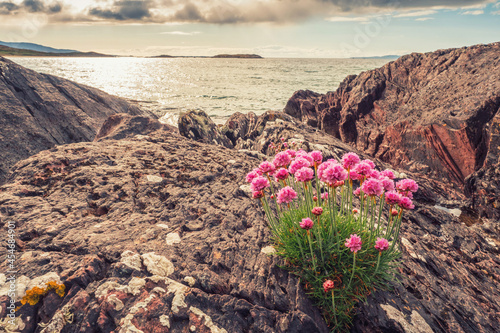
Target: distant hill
(241, 56)
(9, 51)
(36, 47)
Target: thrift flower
(306, 223)
(355, 211)
(387, 183)
(323, 166)
(375, 174)
(349, 160)
(286, 195)
(372, 187)
(354, 243)
(407, 185)
(253, 174)
(297, 164)
(317, 156)
(334, 173)
(328, 285)
(257, 194)
(381, 244)
(304, 174)
(315, 198)
(281, 174)
(394, 212)
(282, 159)
(317, 211)
(393, 198)
(259, 183)
(291, 152)
(357, 191)
(406, 203)
(304, 154)
(267, 167)
(324, 196)
(388, 173)
(370, 163)
(363, 169)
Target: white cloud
(473, 12)
(348, 19)
(417, 13)
(496, 13)
(424, 19)
(181, 33)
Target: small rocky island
(152, 228)
(239, 56)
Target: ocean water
(220, 87)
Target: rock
(122, 126)
(117, 282)
(198, 126)
(39, 111)
(428, 113)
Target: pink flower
(354, 175)
(304, 154)
(354, 243)
(322, 167)
(285, 145)
(370, 163)
(286, 195)
(304, 174)
(334, 173)
(317, 156)
(375, 174)
(306, 223)
(267, 167)
(387, 183)
(282, 159)
(355, 211)
(407, 185)
(259, 183)
(406, 203)
(349, 160)
(257, 194)
(328, 285)
(372, 187)
(317, 211)
(357, 191)
(253, 174)
(281, 174)
(393, 198)
(388, 173)
(297, 164)
(324, 196)
(363, 169)
(381, 244)
(339, 183)
(291, 153)
(282, 139)
(315, 198)
(394, 212)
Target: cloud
(473, 12)
(424, 19)
(181, 33)
(348, 19)
(417, 13)
(227, 11)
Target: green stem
(378, 262)
(353, 268)
(312, 253)
(334, 311)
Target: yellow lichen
(34, 294)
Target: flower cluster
(339, 250)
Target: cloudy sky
(272, 28)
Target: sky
(271, 28)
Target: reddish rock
(427, 113)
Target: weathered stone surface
(98, 221)
(428, 113)
(123, 126)
(198, 126)
(39, 111)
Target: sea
(220, 87)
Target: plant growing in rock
(340, 252)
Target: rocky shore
(153, 229)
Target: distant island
(390, 57)
(238, 56)
(35, 47)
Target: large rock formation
(156, 232)
(38, 111)
(429, 113)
